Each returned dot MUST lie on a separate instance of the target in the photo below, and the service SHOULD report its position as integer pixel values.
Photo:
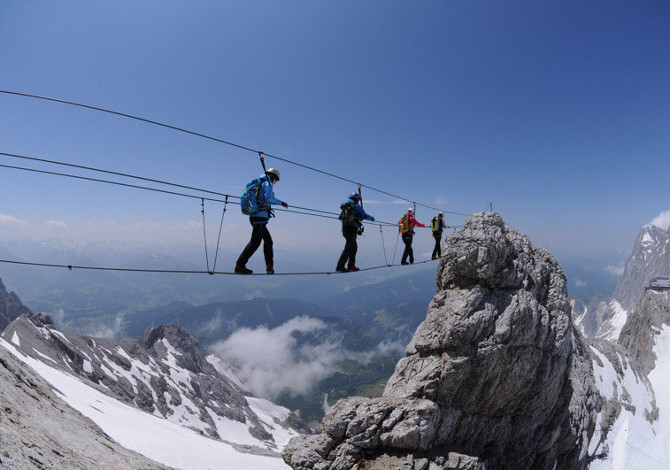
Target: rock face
(164, 373)
(39, 430)
(639, 333)
(496, 374)
(632, 376)
(650, 257)
(10, 307)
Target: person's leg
(436, 250)
(252, 246)
(350, 243)
(407, 240)
(353, 249)
(268, 251)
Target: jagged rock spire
(496, 373)
(10, 307)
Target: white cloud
(580, 283)
(108, 332)
(144, 231)
(10, 221)
(56, 225)
(440, 201)
(58, 317)
(662, 220)
(217, 323)
(270, 361)
(614, 270)
(401, 202)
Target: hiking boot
(242, 270)
(404, 262)
(341, 269)
(269, 268)
(434, 257)
(354, 269)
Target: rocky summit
(10, 307)
(164, 373)
(495, 376)
(38, 430)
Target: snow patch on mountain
(662, 220)
(611, 329)
(154, 437)
(633, 430)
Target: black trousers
(409, 252)
(437, 251)
(258, 233)
(348, 256)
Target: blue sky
(556, 113)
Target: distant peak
(661, 221)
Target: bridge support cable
(293, 209)
(204, 233)
(71, 267)
(110, 172)
(381, 232)
(218, 241)
(395, 250)
(215, 139)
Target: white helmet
(410, 211)
(274, 172)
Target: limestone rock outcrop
(164, 373)
(639, 333)
(10, 307)
(496, 374)
(38, 430)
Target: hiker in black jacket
(437, 225)
(352, 216)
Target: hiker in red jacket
(406, 227)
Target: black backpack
(348, 214)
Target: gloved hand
(284, 205)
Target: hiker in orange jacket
(407, 224)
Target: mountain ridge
(495, 376)
(164, 373)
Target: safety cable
(216, 254)
(219, 140)
(293, 209)
(98, 180)
(204, 232)
(71, 267)
(381, 232)
(396, 247)
(128, 175)
(109, 172)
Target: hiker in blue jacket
(352, 216)
(259, 223)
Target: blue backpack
(249, 201)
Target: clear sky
(556, 112)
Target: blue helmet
(355, 196)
